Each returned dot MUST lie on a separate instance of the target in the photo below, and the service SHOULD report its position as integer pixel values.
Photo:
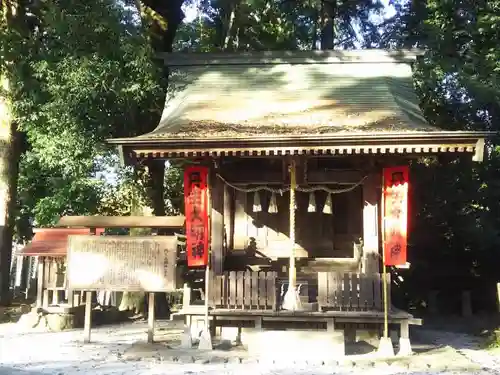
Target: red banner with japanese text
(196, 212)
(395, 215)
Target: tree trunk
(328, 12)
(9, 168)
(13, 21)
(162, 39)
(228, 39)
(155, 186)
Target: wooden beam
(251, 176)
(122, 221)
(332, 176)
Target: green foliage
(260, 25)
(87, 74)
(174, 193)
(454, 236)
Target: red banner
(395, 215)
(196, 212)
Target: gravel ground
(121, 350)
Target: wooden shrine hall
(297, 185)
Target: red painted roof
(53, 241)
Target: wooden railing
(351, 291)
(244, 290)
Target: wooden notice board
(122, 263)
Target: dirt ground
(441, 346)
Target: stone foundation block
(293, 345)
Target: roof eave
(323, 138)
(339, 144)
(174, 59)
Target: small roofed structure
(50, 246)
(52, 242)
(174, 222)
(298, 154)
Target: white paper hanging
(312, 202)
(257, 207)
(273, 207)
(327, 208)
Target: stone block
(197, 326)
(186, 339)
(385, 348)
(394, 336)
(29, 320)
(229, 334)
(371, 337)
(295, 344)
(60, 322)
(404, 347)
(205, 342)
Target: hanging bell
(257, 207)
(327, 208)
(273, 207)
(312, 202)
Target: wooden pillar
(40, 279)
(240, 233)
(217, 225)
(55, 297)
(88, 317)
(228, 218)
(498, 296)
(466, 304)
(371, 193)
(432, 303)
(186, 297)
(151, 317)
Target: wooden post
(70, 297)
(292, 270)
(207, 291)
(88, 317)
(55, 297)
(291, 299)
(466, 304)
(217, 225)
(39, 281)
(151, 317)
(432, 302)
(228, 219)
(186, 297)
(384, 273)
(45, 301)
(240, 227)
(498, 296)
(371, 258)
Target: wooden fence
(244, 290)
(351, 291)
(336, 291)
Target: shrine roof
(283, 98)
(52, 242)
